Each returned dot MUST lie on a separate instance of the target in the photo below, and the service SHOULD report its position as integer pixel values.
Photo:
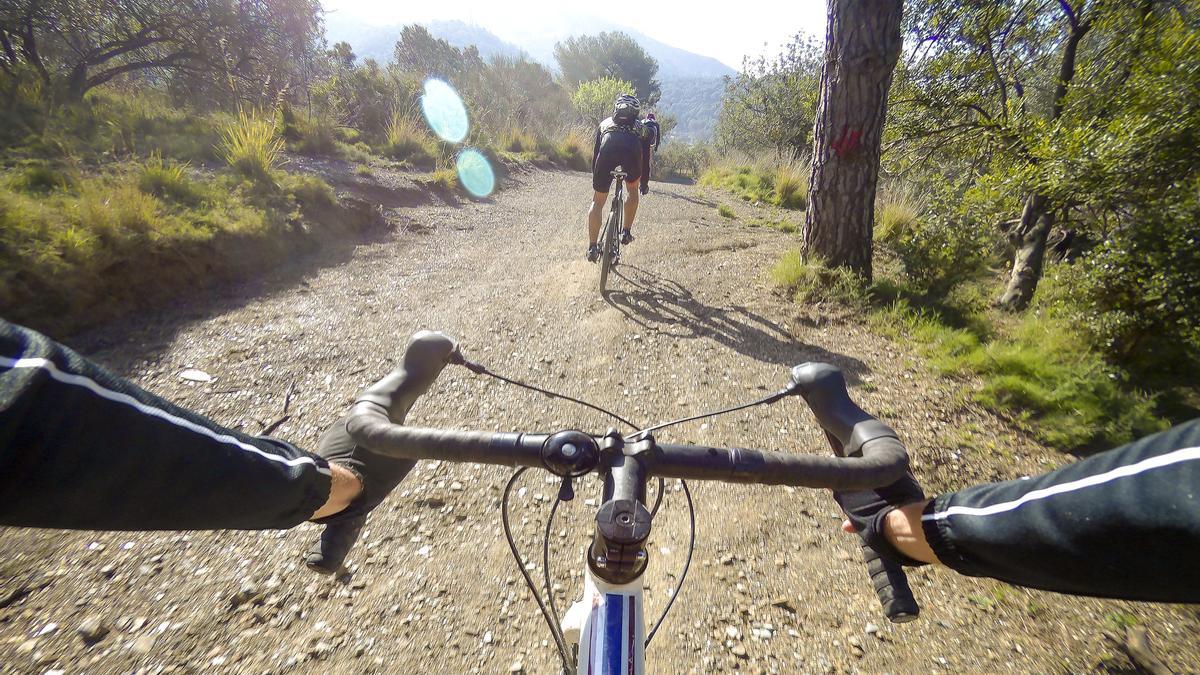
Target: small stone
(92, 630)
(732, 632)
(738, 650)
(456, 486)
(247, 593)
(143, 645)
(26, 648)
(516, 667)
(871, 629)
(487, 638)
(784, 603)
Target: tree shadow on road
(665, 306)
(687, 198)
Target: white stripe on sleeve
(1148, 464)
(125, 399)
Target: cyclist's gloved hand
(868, 509)
(423, 361)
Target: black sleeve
(81, 448)
(1121, 524)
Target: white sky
(724, 31)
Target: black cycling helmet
(626, 108)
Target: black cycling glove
(867, 509)
(424, 359)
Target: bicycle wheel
(608, 245)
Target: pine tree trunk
(1029, 240)
(862, 45)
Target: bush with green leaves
(683, 160)
(937, 254)
(593, 99)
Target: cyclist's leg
(595, 216)
(81, 448)
(601, 182)
(631, 202)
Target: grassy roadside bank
(1035, 370)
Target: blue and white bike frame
(608, 626)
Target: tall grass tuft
(407, 141)
(812, 281)
(167, 180)
(791, 187)
(896, 219)
(251, 145)
(575, 149)
(516, 139)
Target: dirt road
(775, 586)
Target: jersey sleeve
(1121, 524)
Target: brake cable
(550, 614)
(555, 630)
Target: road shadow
(661, 304)
(687, 198)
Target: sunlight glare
(444, 111)
(475, 173)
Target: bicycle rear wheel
(608, 246)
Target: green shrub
(168, 181)
(1039, 373)
(725, 212)
(311, 192)
(407, 141)
(37, 176)
(811, 281)
(683, 160)
(937, 254)
(251, 145)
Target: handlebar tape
(848, 427)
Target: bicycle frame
(608, 627)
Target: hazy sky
(725, 31)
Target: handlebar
(883, 462)
(868, 452)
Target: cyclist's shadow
(665, 306)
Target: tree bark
(1029, 238)
(862, 46)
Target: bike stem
(618, 552)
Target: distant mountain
(692, 84)
(462, 35)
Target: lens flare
(475, 173)
(444, 111)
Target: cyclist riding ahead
(621, 140)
